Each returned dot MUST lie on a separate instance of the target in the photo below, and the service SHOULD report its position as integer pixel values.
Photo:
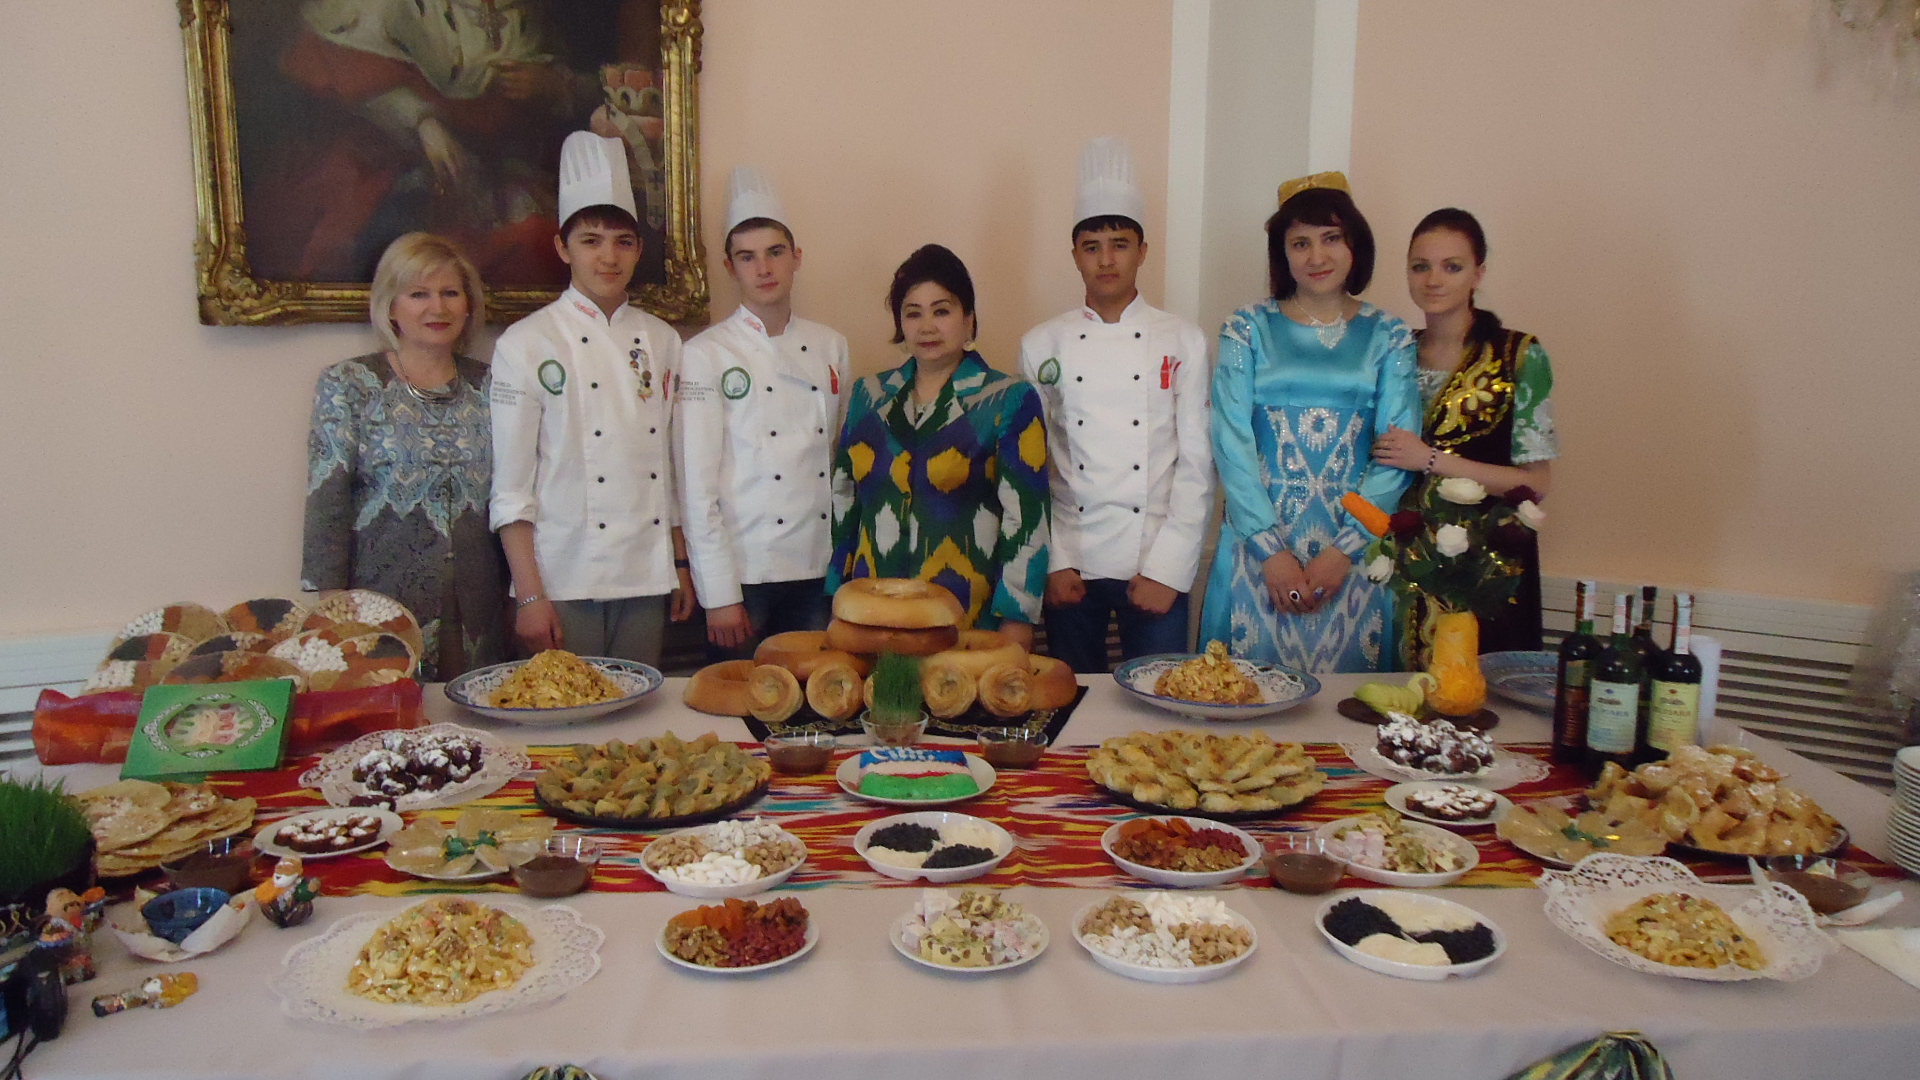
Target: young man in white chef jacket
(582, 465)
(760, 398)
(1125, 388)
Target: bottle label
(1578, 674)
(1613, 716)
(1674, 720)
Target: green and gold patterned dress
(955, 494)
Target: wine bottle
(1648, 650)
(1674, 717)
(1574, 678)
(1614, 730)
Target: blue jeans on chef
(1077, 633)
(775, 608)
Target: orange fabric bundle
(1371, 517)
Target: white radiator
(28, 665)
(1783, 672)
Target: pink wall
(1708, 217)
(145, 458)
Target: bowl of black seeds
(939, 846)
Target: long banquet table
(854, 1009)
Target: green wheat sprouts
(42, 834)
(896, 689)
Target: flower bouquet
(1461, 552)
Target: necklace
(1330, 332)
(437, 396)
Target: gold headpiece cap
(1335, 180)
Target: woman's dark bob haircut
(940, 266)
(1323, 207)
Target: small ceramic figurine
(67, 932)
(158, 992)
(287, 899)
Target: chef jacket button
(1136, 378)
(1136, 423)
(651, 431)
(823, 474)
(776, 476)
(596, 433)
(1136, 509)
(1136, 333)
(603, 479)
(583, 341)
(769, 389)
(1083, 468)
(603, 524)
(1080, 423)
(1082, 509)
(823, 517)
(819, 431)
(636, 341)
(779, 521)
(596, 386)
(771, 434)
(813, 388)
(803, 348)
(1136, 468)
(656, 521)
(1083, 337)
(1079, 378)
(656, 476)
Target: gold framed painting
(323, 129)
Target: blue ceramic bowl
(176, 914)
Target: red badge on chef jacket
(1169, 367)
(833, 374)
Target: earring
(970, 344)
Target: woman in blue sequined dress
(1304, 383)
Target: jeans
(776, 607)
(1077, 633)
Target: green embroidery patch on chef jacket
(1050, 371)
(735, 382)
(553, 376)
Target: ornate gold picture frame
(322, 129)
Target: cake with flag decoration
(912, 772)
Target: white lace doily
(1776, 918)
(1508, 769)
(499, 763)
(312, 983)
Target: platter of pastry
(1212, 685)
(1722, 801)
(1245, 777)
(652, 783)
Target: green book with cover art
(209, 727)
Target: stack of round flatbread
(139, 824)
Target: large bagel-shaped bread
(978, 650)
(870, 640)
(773, 693)
(946, 687)
(1053, 683)
(721, 689)
(804, 652)
(1007, 690)
(902, 603)
(834, 691)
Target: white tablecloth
(855, 1009)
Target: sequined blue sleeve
(1250, 511)
(1396, 404)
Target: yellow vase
(1456, 663)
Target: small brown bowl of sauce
(1014, 748)
(1828, 884)
(800, 753)
(225, 864)
(563, 866)
(1299, 863)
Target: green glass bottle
(1615, 731)
(1674, 715)
(1573, 680)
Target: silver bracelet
(523, 602)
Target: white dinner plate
(898, 935)
(390, 823)
(1397, 798)
(1184, 879)
(1431, 833)
(848, 775)
(1164, 976)
(933, 819)
(1417, 972)
(812, 939)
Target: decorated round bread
(170, 648)
(195, 622)
(354, 612)
(234, 667)
(372, 660)
(236, 641)
(133, 675)
(276, 617)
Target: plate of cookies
(328, 833)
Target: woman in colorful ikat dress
(400, 462)
(1305, 382)
(941, 472)
(1487, 397)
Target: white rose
(1451, 540)
(1380, 569)
(1464, 492)
(1531, 515)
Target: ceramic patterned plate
(1523, 677)
(1280, 688)
(474, 689)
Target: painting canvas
(329, 127)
